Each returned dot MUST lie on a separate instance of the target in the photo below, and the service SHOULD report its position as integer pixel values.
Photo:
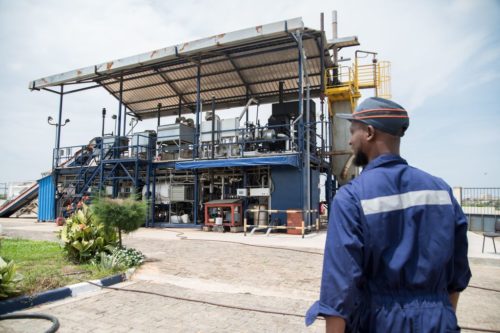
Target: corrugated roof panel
(148, 94)
(228, 70)
(220, 81)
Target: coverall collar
(384, 159)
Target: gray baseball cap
(383, 114)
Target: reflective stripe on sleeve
(406, 200)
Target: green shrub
(9, 278)
(129, 257)
(126, 215)
(118, 258)
(83, 236)
(105, 261)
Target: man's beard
(360, 159)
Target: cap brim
(347, 116)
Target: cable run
(200, 301)
(183, 236)
(247, 309)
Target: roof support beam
(125, 104)
(281, 62)
(291, 77)
(240, 75)
(173, 87)
(290, 94)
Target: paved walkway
(204, 269)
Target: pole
(197, 112)
(196, 141)
(180, 107)
(213, 127)
(120, 107)
(124, 120)
(58, 126)
(103, 119)
(158, 116)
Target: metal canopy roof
(233, 67)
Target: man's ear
(370, 133)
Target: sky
(445, 58)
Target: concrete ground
(201, 283)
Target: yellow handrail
(384, 79)
(369, 76)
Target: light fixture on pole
(58, 126)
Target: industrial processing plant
(237, 170)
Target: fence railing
(481, 205)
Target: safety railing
(481, 206)
(135, 147)
(243, 142)
(346, 81)
(270, 227)
(384, 79)
(341, 76)
(366, 76)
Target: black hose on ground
(247, 309)
(52, 329)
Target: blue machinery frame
(111, 167)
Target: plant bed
(45, 267)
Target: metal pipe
(58, 127)
(180, 107)
(120, 102)
(345, 170)
(153, 199)
(308, 155)
(222, 188)
(280, 87)
(334, 35)
(298, 38)
(196, 195)
(103, 119)
(148, 194)
(124, 120)
(245, 108)
(322, 56)
(322, 82)
(213, 127)
(197, 113)
(158, 116)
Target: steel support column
(196, 141)
(298, 38)
(120, 102)
(58, 127)
(58, 144)
(153, 197)
(196, 197)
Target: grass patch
(44, 265)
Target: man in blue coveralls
(396, 249)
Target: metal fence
(482, 207)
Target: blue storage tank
(46, 199)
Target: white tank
(260, 218)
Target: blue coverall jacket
(396, 247)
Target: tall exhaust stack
(334, 34)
